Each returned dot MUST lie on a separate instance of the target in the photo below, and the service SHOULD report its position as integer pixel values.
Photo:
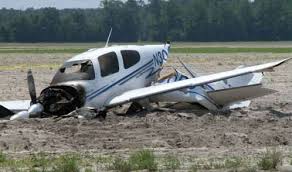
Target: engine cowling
(60, 100)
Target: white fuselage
(102, 89)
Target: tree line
(156, 20)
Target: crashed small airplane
(106, 77)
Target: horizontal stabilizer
(226, 96)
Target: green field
(229, 47)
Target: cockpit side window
(130, 58)
(109, 64)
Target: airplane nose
(34, 110)
(61, 99)
(55, 100)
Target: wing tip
(276, 64)
(283, 61)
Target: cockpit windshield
(73, 71)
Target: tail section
(221, 95)
(234, 92)
(225, 97)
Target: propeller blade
(31, 87)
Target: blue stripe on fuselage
(137, 74)
(128, 77)
(153, 73)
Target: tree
(157, 20)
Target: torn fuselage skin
(64, 94)
(60, 100)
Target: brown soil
(267, 123)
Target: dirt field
(188, 132)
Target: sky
(60, 4)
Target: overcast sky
(60, 4)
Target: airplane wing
(15, 106)
(141, 93)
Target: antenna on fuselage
(108, 38)
(193, 75)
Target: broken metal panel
(74, 71)
(60, 100)
(191, 95)
(237, 105)
(217, 95)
